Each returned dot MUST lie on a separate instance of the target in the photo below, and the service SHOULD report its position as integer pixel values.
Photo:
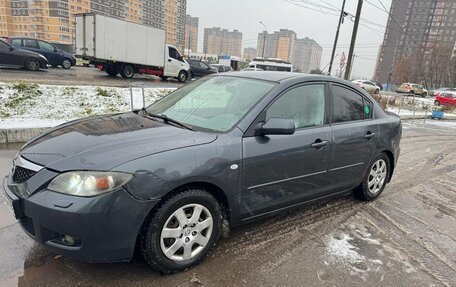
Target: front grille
(22, 174)
(27, 224)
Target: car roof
(279, 76)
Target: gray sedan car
(221, 151)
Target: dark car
(221, 68)
(221, 151)
(54, 55)
(13, 57)
(199, 68)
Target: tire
(66, 63)
(163, 78)
(127, 71)
(182, 77)
(153, 245)
(437, 103)
(375, 179)
(32, 64)
(111, 71)
(377, 91)
(424, 95)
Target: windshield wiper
(167, 119)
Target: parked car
(369, 86)
(199, 68)
(227, 149)
(55, 56)
(446, 99)
(414, 89)
(378, 84)
(221, 68)
(438, 91)
(11, 56)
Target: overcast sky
(319, 24)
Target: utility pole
(353, 40)
(264, 38)
(341, 20)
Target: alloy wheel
(186, 232)
(377, 176)
(66, 64)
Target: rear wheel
(112, 71)
(182, 77)
(182, 231)
(437, 103)
(32, 64)
(163, 78)
(424, 95)
(127, 71)
(377, 91)
(66, 63)
(375, 179)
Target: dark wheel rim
(33, 65)
(128, 71)
(186, 232)
(377, 176)
(66, 64)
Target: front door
(173, 63)
(279, 170)
(354, 134)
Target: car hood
(104, 142)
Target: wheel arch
(390, 156)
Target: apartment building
(249, 53)
(222, 41)
(307, 55)
(280, 44)
(53, 20)
(191, 33)
(415, 29)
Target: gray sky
(320, 25)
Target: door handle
(369, 136)
(318, 144)
(169, 60)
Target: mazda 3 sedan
(167, 180)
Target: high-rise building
(415, 29)
(280, 44)
(307, 55)
(249, 53)
(191, 33)
(54, 20)
(222, 41)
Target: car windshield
(215, 103)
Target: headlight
(88, 183)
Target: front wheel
(32, 64)
(437, 103)
(182, 77)
(66, 63)
(127, 71)
(182, 231)
(424, 95)
(377, 91)
(375, 180)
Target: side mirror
(276, 126)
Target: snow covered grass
(32, 105)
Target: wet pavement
(407, 237)
(82, 76)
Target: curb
(20, 135)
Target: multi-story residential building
(222, 41)
(415, 29)
(307, 55)
(191, 33)
(53, 20)
(249, 53)
(280, 44)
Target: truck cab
(175, 65)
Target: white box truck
(117, 46)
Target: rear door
(6, 55)
(31, 45)
(281, 170)
(354, 135)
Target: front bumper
(105, 227)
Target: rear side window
(16, 42)
(349, 106)
(30, 43)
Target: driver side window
(304, 105)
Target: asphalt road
(407, 237)
(81, 76)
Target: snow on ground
(24, 105)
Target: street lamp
(264, 38)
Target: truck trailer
(117, 46)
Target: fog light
(68, 239)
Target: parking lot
(81, 76)
(405, 238)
